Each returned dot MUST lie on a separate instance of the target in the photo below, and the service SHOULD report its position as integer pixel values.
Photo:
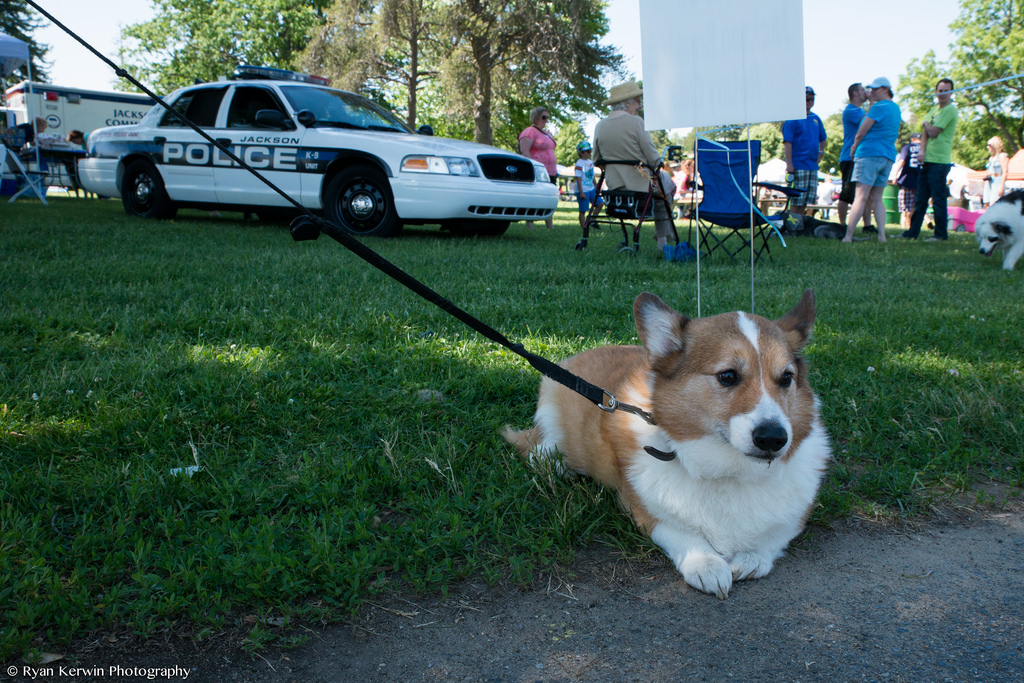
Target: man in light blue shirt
(874, 151)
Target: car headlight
(443, 165)
(540, 174)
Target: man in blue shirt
(852, 116)
(804, 144)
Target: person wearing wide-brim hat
(621, 136)
(623, 92)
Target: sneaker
(908, 236)
(870, 229)
(936, 239)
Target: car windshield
(335, 108)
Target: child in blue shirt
(586, 192)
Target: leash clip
(611, 404)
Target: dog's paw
(750, 566)
(708, 573)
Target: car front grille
(499, 167)
(510, 211)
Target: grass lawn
(347, 433)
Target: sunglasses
(545, 117)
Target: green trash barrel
(891, 200)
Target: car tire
(358, 199)
(143, 193)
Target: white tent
(566, 171)
(772, 171)
(13, 54)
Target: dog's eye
(728, 378)
(786, 380)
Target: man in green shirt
(936, 151)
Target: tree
(770, 135)
(206, 39)
(988, 45)
(488, 62)
(515, 51)
(18, 21)
(568, 136)
(833, 145)
(379, 48)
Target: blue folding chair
(726, 171)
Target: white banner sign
(721, 62)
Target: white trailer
(67, 109)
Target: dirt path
(935, 602)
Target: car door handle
(160, 140)
(226, 142)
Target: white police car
(333, 151)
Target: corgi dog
(1002, 225)
(726, 477)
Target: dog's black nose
(770, 437)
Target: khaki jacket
(622, 137)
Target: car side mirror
(306, 118)
(272, 118)
(425, 130)
(673, 153)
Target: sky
(844, 42)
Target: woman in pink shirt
(538, 144)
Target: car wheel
(359, 200)
(143, 193)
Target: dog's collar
(665, 456)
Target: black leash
(309, 226)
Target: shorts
(806, 180)
(849, 190)
(872, 171)
(586, 198)
(907, 200)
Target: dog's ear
(659, 326)
(798, 322)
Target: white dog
(1003, 226)
(728, 475)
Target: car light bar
(247, 71)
